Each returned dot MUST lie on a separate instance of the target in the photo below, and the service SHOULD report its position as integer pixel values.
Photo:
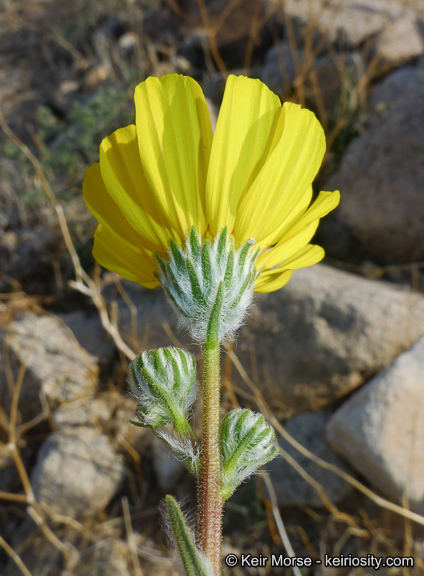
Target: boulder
(77, 472)
(326, 80)
(400, 42)
(394, 86)
(279, 71)
(91, 335)
(290, 487)
(325, 334)
(55, 365)
(382, 180)
(349, 23)
(380, 430)
(85, 412)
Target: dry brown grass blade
(132, 544)
(15, 557)
(212, 38)
(264, 408)
(280, 524)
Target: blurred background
(335, 360)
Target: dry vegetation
(42, 174)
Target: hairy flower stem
(210, 501)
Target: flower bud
(247, 442)
(164, 382)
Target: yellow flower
(167, 173)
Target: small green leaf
(190, 556)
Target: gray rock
(400, 42)
(290, 487)
(382, 179)
(380, 430)
(56, 365)
(91, 335)
(325, 334)
(84, 412)
(350, 22)
(397, 84)
(108, 557)
(332, 82)
(77, 473)
(327, 80)
(279, 69)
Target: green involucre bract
(191, 277)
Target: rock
(84, 412)
(399, 43)
(167, 467)
(326, 80)
(127, 43)
(380, 430)
(26, 251)
(279, 71)
(55, 365)
(382, 181)
(91, 335)
(397, 84)
(108, 557)
(350, 22)
(325, 334)
(290, 487)
(77, 473)
(105, 557)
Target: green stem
(210, 500)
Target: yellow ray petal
(106, 211)
(271, 282)
(283, 184)
(174, 135)
(126, 184)
(325, 202)
(308, 256)
(296, 213)
(276, 278)
(114, 254)
(241, 142)
(285, 249)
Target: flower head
(166, 174)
